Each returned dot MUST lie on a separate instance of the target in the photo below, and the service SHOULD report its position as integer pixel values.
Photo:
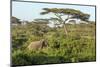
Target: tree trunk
(65, 29)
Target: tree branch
(57, 15)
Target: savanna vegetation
(77, 45)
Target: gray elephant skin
(38, 45)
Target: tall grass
(77, 46)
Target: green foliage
(67, 11)
(77, 46)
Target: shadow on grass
(41, 60)
(38, 60)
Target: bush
(77, 46)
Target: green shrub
(77, 46)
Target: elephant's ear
(41, 42)
(45, 43)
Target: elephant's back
(35, 45)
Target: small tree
(67, 14)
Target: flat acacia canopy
(66, 11)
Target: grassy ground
(77, 46)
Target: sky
(31, 10)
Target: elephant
(38, 45)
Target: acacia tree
(64, 14)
